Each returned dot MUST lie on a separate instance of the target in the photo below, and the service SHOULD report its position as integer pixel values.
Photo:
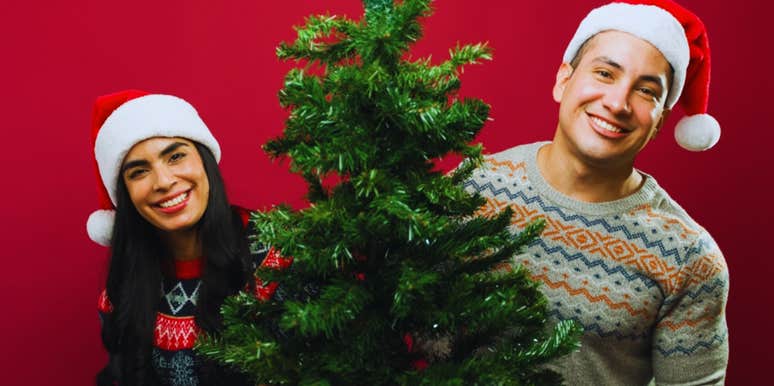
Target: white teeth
(174, 201)
(606, 125)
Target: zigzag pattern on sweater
(688, 323)
(173, 333)
(592, 298)
(631, 276)
(711, 288)
(716, 340)
(597, 329)
(612, 229)
(622, 251)
(708, 288)
(670, 277)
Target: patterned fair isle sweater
(648, 284)
(174, 360)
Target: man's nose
(617, 99)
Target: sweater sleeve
(270, 258)
(262, 256)
(690, 341)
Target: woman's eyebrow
(141, 162)
(172, 147)
(134, 164)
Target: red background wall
(58, 56)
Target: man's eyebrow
(613, 63)
(654, 79)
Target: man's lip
(603, 132)
(612, 122)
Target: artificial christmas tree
(394, 278)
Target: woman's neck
(183, 245)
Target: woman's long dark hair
(135, 276)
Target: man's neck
(584, 182)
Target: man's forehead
(625, 48)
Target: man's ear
(664, 115)
(563, 75)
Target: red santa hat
(682, 39)
(123, 119)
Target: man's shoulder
(516, 154)
(666, 206)
(668, 217)
(509, 162)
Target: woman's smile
(177, 203)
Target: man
(648, 284)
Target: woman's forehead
(154, 146)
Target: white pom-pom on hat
(100, 226)
(697, 132)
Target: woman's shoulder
(243, 213)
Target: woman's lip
(175, 208)
(604, 132)
(170, 197)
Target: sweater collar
(189, 269)
(644, 195)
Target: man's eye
(649, 92)
(604, 73)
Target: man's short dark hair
(581, 51)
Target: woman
(177, 247)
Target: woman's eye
(177, 157)
(136, 173)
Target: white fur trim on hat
(149, 116)
(647, 22)
(697, 132)
(100, 226)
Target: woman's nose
(165, 178)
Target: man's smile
(606, 128)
